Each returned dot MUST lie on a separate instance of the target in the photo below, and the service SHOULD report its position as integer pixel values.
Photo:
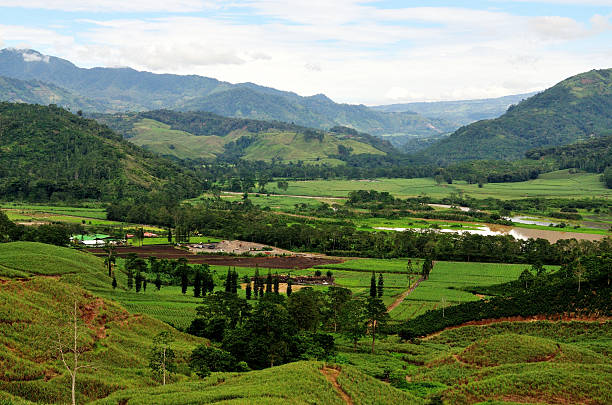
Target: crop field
(555, 184)
(446, 281)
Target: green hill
(593, 155)
(37, 92)
(578, 108)
(48, 153)
(202, 135)
(125, 89)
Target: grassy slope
(555, 184)
(509, 362)
(33, 311)
(159, 137)
(295, 383)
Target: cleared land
(554, 184)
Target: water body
(517, 233)
(464, 209)
(530, 221)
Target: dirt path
(332, 376)
(403, 296)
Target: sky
(354, 51)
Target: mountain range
(125, 89)
(578, 108)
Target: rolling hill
(575, 109)
(201, 135)
(47, 153)
(124, 89)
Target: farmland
(554, 184)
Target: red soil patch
(172, 253)
(331, 374)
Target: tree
(377, 316)
(276, 284)
(248, 291)
(373, 290)
(144, 283)
(138, 281)
(158, 282)
(526, 278)
(427, 268)
(206, 359)
(183, 271)
(353, 320)
(228, 280)
(409, 272)
(169, 235)
(114, 283)
(337, 297)
(110, 258)
(282, 185)
(289, 288)
(197, 283)
(161, 358)
(73, 365)
(269, 282)
(329, 274)
(130, 279)
(381, 285)
(304, 307)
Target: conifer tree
(373, 292)
(276, 284)
(228, 280)
(289, 289)
(158, 282)
(130, 279)
(114, 282)
(248, 291)
(234, 281)
(261, 288)
(269, 282)
(254, 290)
(138, 281)
(144, 284)
(197, 283)
(381, 285)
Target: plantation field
(554, 184)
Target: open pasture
(555, 184)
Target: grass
(549, 185)
(509, 362)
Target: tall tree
(353, 320)
(373, 290)
(269, 282)
(228, 280)
(377, 316)
(289, 287)
(248, 291)
(114, 283)
(276, 284)
(197, 283)
(381, 285)
(161, 358)
(70, 346)
(158, 282)
(138, 279)
(130, 279)
(337, 297)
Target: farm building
(94, 240)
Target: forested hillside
(207, 136)
(577, 108)
(47, 153)
(125, 89)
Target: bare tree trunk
(373, 335)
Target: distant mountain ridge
(575, 109)
(460, 112)
(125, 89)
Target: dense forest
(49, 154)
(574, 109)
(594, 155)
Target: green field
(554, 184)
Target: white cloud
(177, 6)
(34, 57)
(347, 49)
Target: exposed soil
(332, 376)
(89, 314)
(170, 252)
(403, 296)
(282, 287)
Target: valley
(174, 238)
